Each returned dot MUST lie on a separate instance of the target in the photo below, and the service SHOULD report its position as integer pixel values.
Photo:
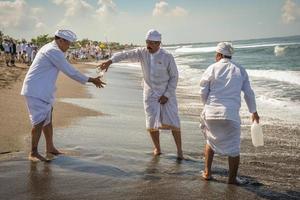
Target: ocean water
(273, 67)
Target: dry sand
(15, 124)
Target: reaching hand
(255, 117)
(105, 65)
(97, 82)
(163, 99)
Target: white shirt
(153, 65)
(28, 49)
(41, 77)
(220, 90)
(18, 48)
(6, 47)
(23, 47)
(162, 77)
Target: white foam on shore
(263, 45)
(191, 50)
(292, 77)
(208, 49)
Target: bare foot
(206, 176)
(237, 181)
(180, 156)
(36, 157)
(54, 152)
(156, 152)
(50, 156)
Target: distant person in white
(39, 88)
(220, 90)
(160, 81)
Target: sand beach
(108, 151)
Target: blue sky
(127, 21)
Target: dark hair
(227, 56)
(56, 37)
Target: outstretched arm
(132, 55)
(63, 65)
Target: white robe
(39, 83)
(160, 78)
(220, 90)
(39, 111)
(42, 75)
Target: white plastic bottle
(101, 73)
(257, 135)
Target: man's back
(225, 86)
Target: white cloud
(75, 7)
(162, 8)
(18, 15)
(290, 12)
(178, 11)
(106, 8)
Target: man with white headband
(160, 81)
(39, 88)
(220, 90)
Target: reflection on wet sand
(40, 180)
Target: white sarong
(160, 116)
(223, 136)
(39, 110)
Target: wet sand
(109, 156)
(15, 124)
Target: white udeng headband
(225, 48)
(153, 35)
(66, 34)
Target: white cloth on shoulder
(39, 110)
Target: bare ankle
(156, 151)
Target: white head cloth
(225, 48)
(67, 35)
(153, 35)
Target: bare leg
(155, 140)
(35, 137)
(209, 155)
(177, 138)
(233, 168)
(48, 133)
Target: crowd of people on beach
(22, 52)
(90, 51)
(13, 51)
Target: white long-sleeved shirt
(160, 73)
(42, 75)
(6, 47)
(220, 90)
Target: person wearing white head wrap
(220, 90)
(153, 35)
(39, 88)
(67, 35)
(160, 81)
(225, 48)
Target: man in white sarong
(220, 90)
(160, 81)
(39, 89)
